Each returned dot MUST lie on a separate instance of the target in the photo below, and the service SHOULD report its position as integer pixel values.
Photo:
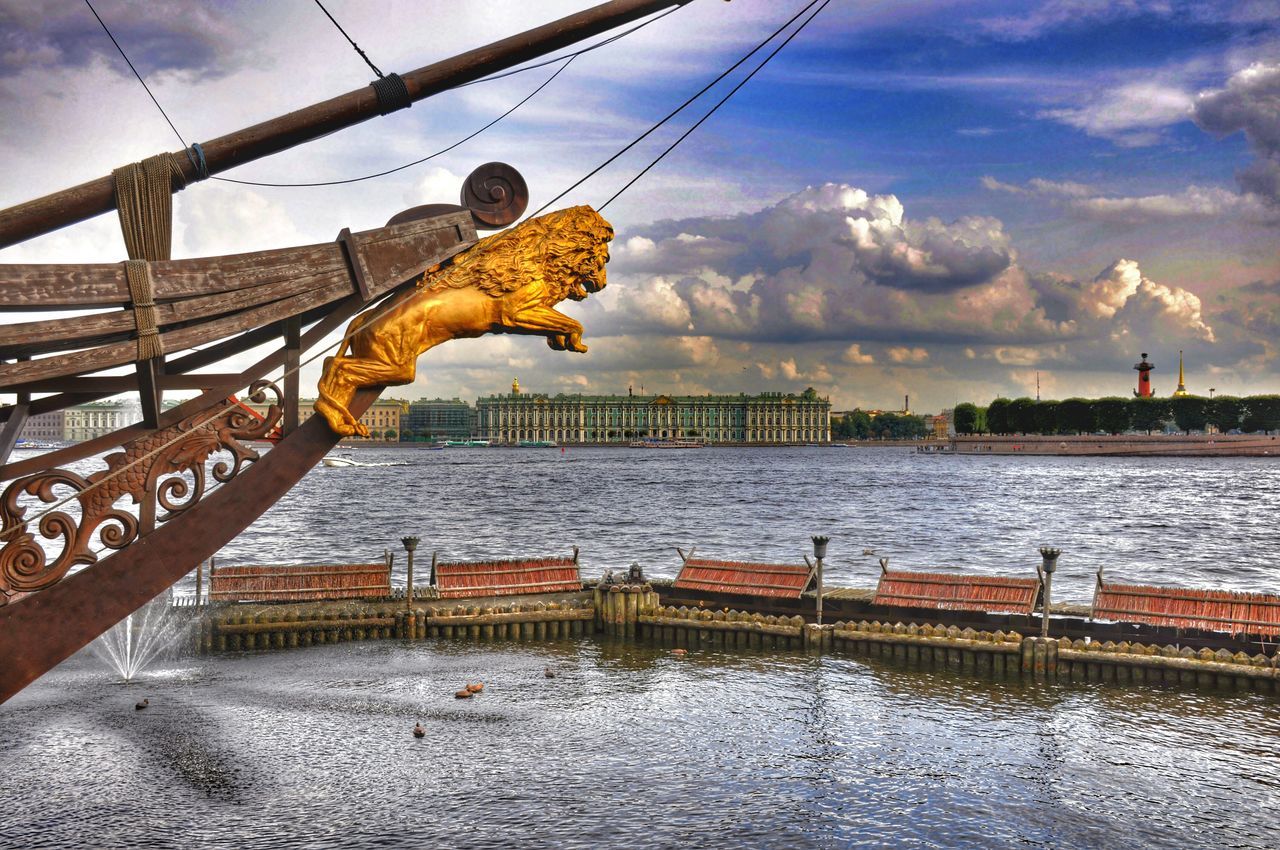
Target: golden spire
(1182, 385)
(515, 386)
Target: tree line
(860, 425)
(1115, 415)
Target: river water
(1194, 522)
(630, 746)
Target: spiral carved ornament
(153, 466)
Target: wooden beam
(44, 286)
(95, 197)
(292, 358)
(12, 428)
(149, 392)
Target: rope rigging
(713, 109)
(430, 156)
(682, 106)
(355, 46)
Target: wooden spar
(95, 197)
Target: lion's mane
(563, 242)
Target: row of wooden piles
(1011, 654)
(695, 627)
(635, 612)
(290, 627)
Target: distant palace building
(764, 418)
(442, 419)
(81, 422)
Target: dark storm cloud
(158, 36)
(1250, 103)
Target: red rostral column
(1144, 378)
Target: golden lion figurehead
(566, 249)
(524, 272)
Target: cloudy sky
(934, 198)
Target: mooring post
(819, 552)
(410, 543)
(1047, 569)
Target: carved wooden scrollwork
(166, 465)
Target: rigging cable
(445, 150)
(135, 72)
(679, 108)
(363, 55)
(713, 109)
(610, 40)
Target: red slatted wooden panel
(507, 578)
(300, 582)
(993, 594)
(748, 579)
(1210, 610)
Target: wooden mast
(95, 197)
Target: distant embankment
(1233, 445)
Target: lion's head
(567, 249)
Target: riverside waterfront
(629, 745)
(1193, 522)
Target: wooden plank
(48, 286)
(150, 395)
(292, 332)
(95, 359)
(325, 324)
(323, 320)
(46, 335)
(12, 428)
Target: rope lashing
(144, 194)
(195, 153)
(392, 93)
(142, 293)
(144, 200)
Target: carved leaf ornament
(175, 476)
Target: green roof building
(769, 418)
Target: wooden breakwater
(635, 612)
(235, 628)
